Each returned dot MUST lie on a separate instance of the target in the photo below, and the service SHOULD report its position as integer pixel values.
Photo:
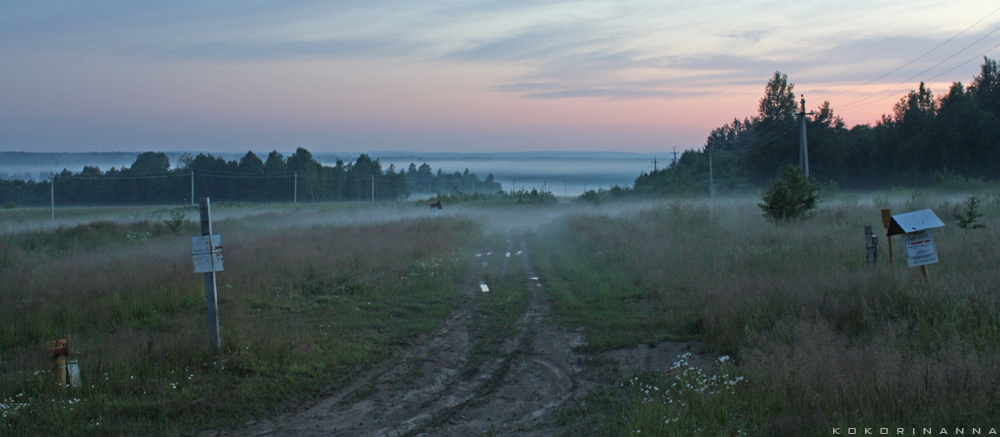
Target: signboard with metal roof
(920, 248)
(913, 222)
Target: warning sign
(920, 248)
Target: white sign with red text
(920, 248)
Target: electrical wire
(939, 75)
(858, 103)
(918, 57)
(755, 147)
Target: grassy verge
(300, 309)
(821, 340)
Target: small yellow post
(886, 220)
(927, 275)
(59, 349)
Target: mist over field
(561, 176)
(722, 271)
(564, 174)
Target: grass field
(301, 308)
(810, 338)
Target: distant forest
(150, 180)
(951, 139)
(926, 140)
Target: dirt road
(436, 387)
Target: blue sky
(487, 76)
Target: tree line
(152, 180)
(926, 139)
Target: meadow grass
(301, 310)
(821, 340)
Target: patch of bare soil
(435, 388)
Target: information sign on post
(917, 237)
(207, 253)
(920, 249)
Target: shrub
(968, 218)
(790, 198)
(176, 221)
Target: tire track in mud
(438, 387)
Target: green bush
(967, 219)
(177, 220)
(790, 198)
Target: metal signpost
(207, 253)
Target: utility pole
(711, 178)
(52, 194)
(295, 191)
(675, 156)
(373, 188)
(803, 147)
(654, 164)
(192, 187)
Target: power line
(966, 62)
(859, 103)
(935, 77)
(918, 57)
(755, 147)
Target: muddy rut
(436, 386)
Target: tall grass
(822, 340)
(300, 309)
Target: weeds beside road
(300, 309)
(821, 340)
(815, 339)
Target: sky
(457, 76)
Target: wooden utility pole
(52, 194)
(192, 187)
(675, 156)
(711, 177)
(211, 293)
(803, 146)
(654, 164)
